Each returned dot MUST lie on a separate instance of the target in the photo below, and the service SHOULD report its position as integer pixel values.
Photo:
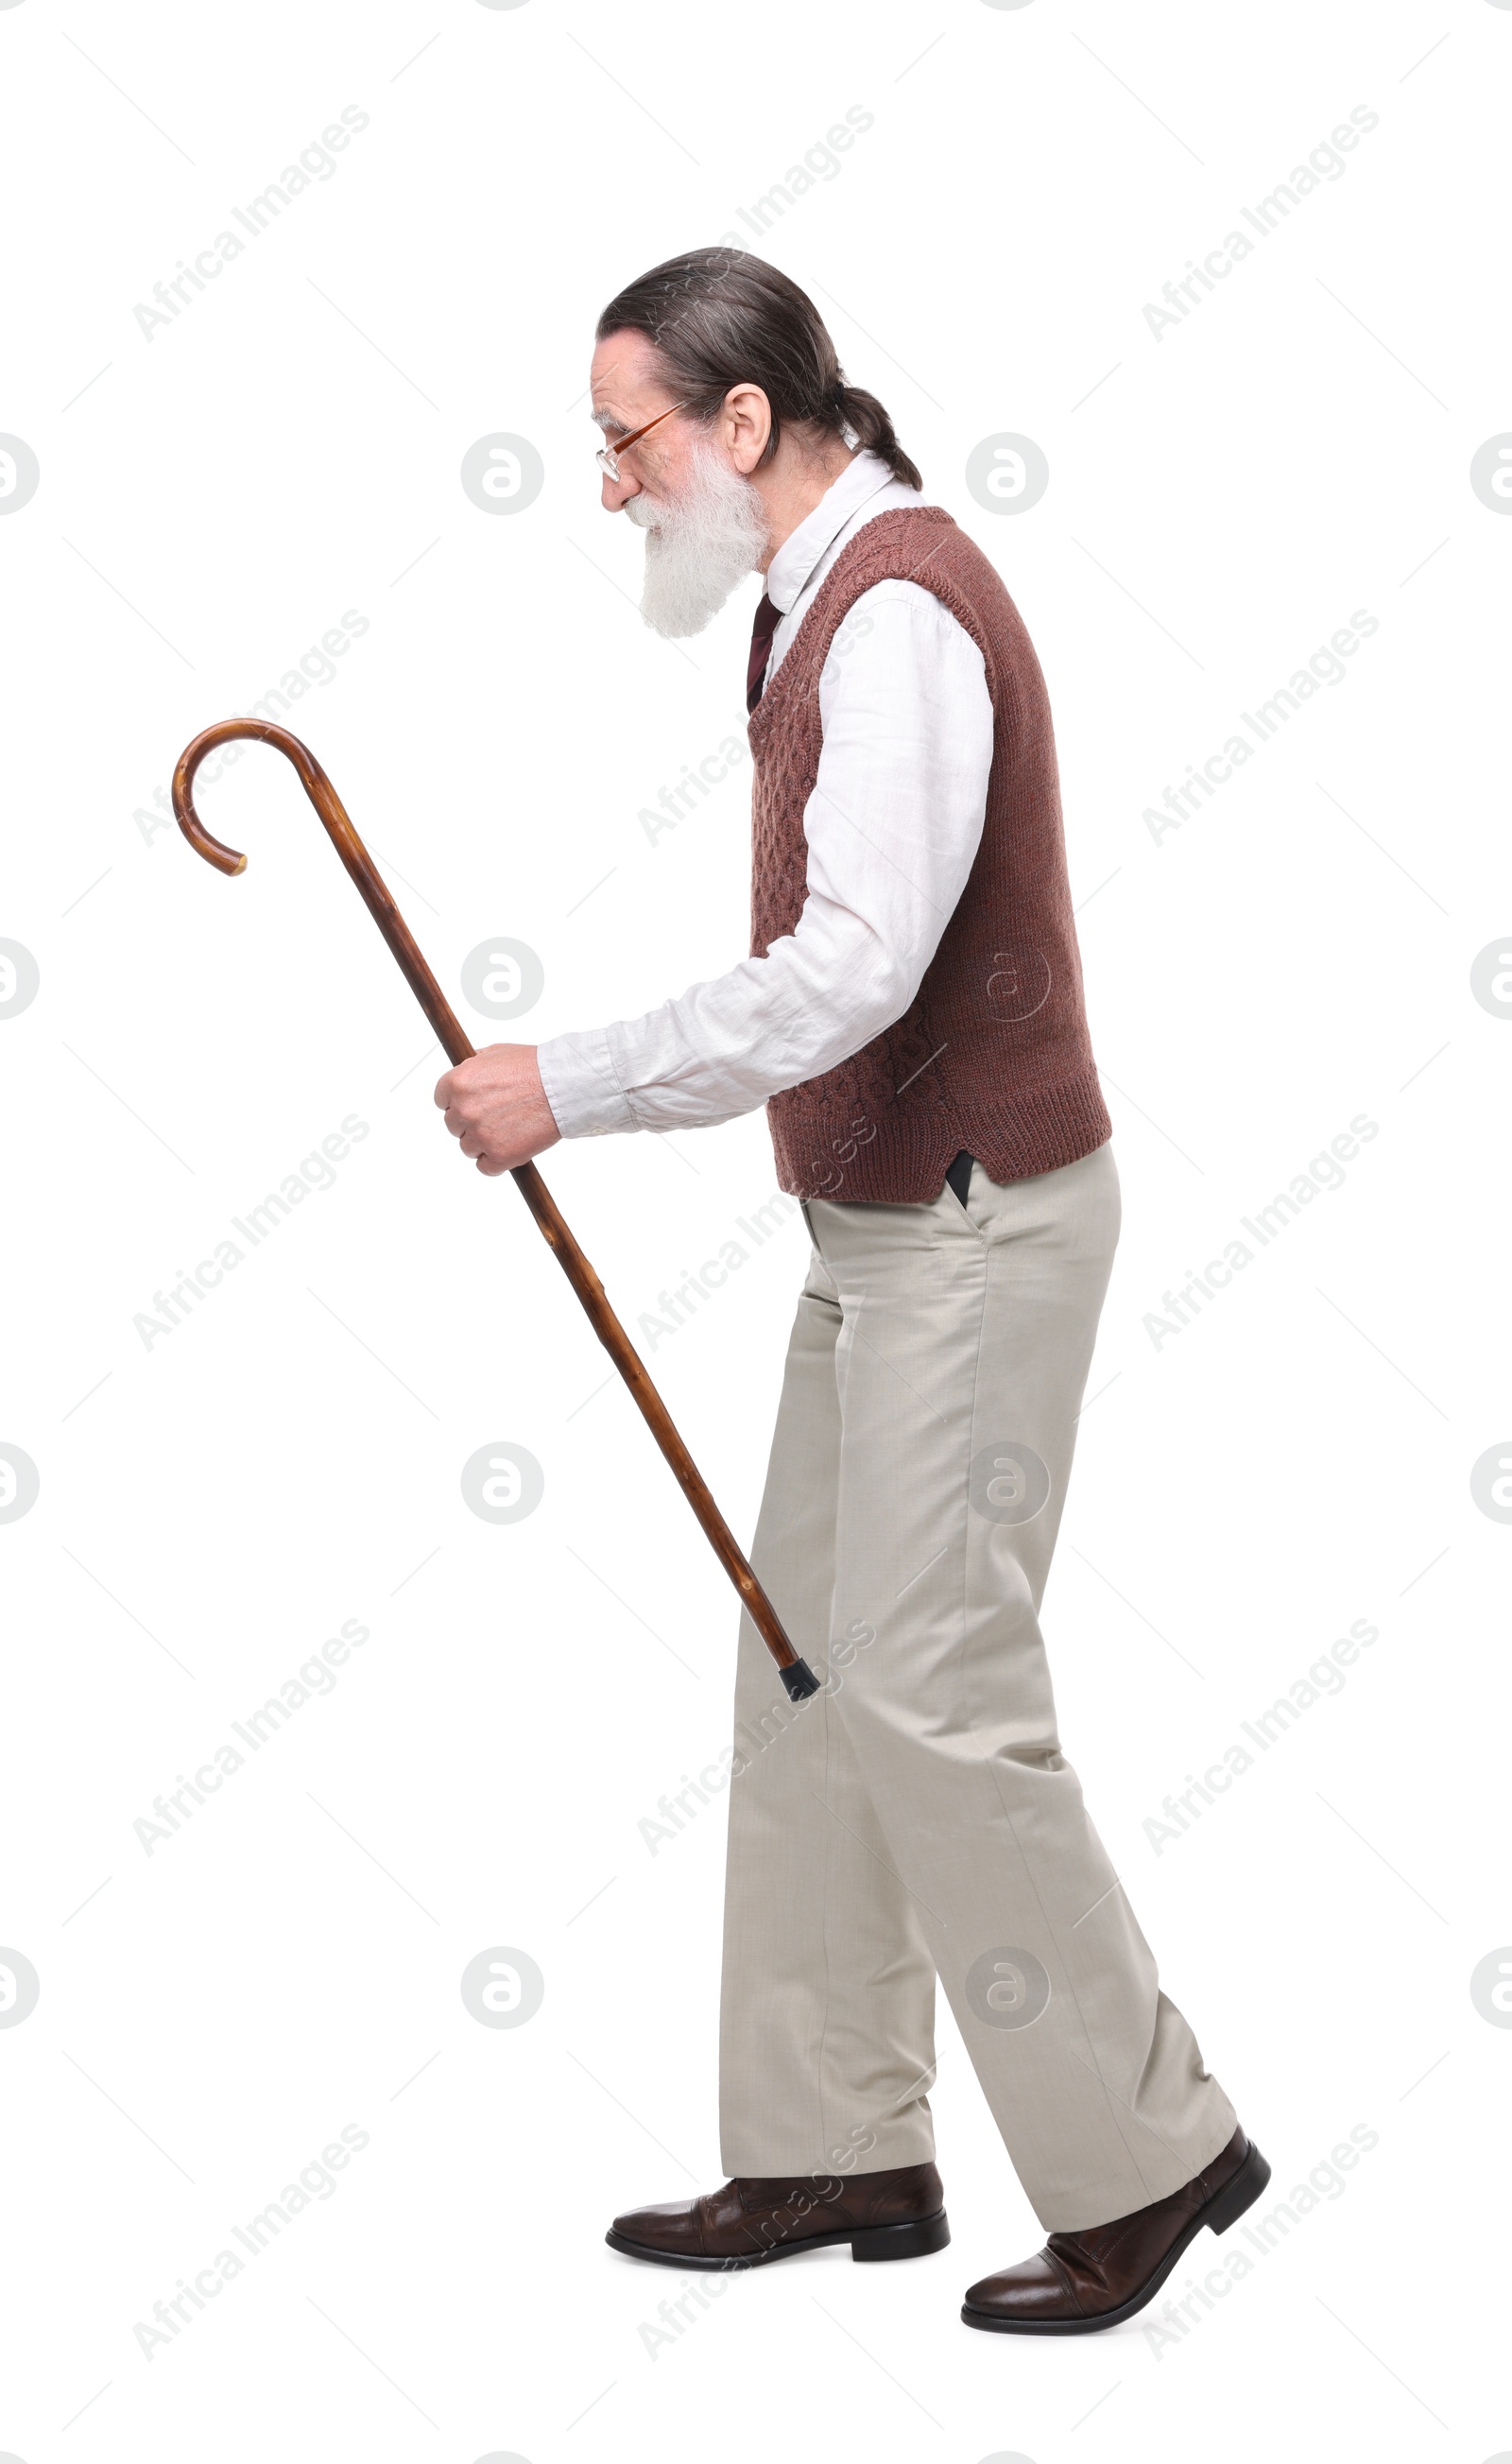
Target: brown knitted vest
(994, 1055)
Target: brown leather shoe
(1082, 2281)
(900, 2215)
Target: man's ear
(745, 426)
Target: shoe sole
(1224, 2209)
(913, 2240)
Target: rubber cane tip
(240, 865)
(799, 1679)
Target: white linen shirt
(893, 827)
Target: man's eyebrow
(603, 417)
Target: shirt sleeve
(892, 828)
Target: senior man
(911, 1015)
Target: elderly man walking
(911, 1015)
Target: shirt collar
(798, 554)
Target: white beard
(698, 545)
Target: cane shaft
(359, 865)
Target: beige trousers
(917, 1817)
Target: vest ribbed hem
(1012, 1138)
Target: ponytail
(863, 415)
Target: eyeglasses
(607, 457)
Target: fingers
(495, 1109)
(465, 1076)
(474, 1147)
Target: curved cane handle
(346, 843)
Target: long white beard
(699, 543)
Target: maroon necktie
(767, 620)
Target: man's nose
(618, 492)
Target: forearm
(722, 1048)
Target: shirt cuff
(587, 1098)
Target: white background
(1222, 500)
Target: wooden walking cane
(796, 1676)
